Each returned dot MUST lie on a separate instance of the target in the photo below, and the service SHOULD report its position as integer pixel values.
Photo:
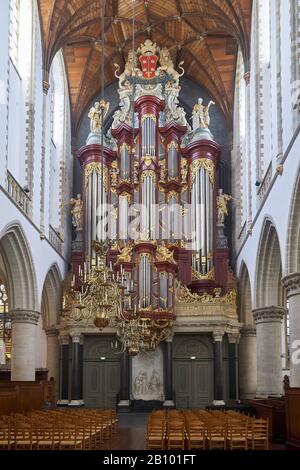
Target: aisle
(131, 434)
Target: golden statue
(222, 202)
(97, 115)
(200, 116)
(77, 212)
(114, 174)
(164, 254)
(125, 254)
(184, 170)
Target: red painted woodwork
(92, 153)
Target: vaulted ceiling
(204, 33)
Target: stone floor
(131, 434)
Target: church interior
(149, 224)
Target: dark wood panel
(26, 396)
(292, 399)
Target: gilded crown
(148, 47)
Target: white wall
(21, 142)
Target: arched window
(58, 124)
(22, 16)
(14, 31)
(240, 157)
(5, 326)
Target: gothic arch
(268, 287)
(245, 298)
(19, 268)
(293, 235)
(51, 297)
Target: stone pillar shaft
(124, 381)
(76, 372)
(218, 370)
(269, 369)
(247, 362)
(23, 344)
(64, 371)
(292, 285)
(168, 373)
(233, 366)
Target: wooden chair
(237, 435)
(216, 435)
(258, 434)
(196, 435)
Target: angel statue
(200, 116)
(97, 115)
(77, 212)
(222, 202)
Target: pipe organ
(150, 186)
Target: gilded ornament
(183, 294)
(210, 276)
(164, 254)
(125, 253)
(148, 116)
(208, 166)
(97, 168)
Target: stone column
(248, 362)
(64, 370)
(168, 372)
(218, 369)
(53, 357)
(233, 352)
(23, 344)
(124, 382)
(76, 373)
(292, 285)
(269, 369)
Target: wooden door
(101, 378)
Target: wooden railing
(18, 195)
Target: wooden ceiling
(203, 33)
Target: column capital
(233, 338)
(76, 336)
(291, 283)
(248, 330)
(51, 332)
(64, 339)
(218, 335)
(268, 314)
(19, 315)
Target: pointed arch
(292, 254)
(19, 268)
(268, 287)
(51, 297)
(245, 297)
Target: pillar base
(124, 403)
(168, 404)
(62, 402)
(218, 403)
(76, 403)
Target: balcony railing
(18, 195)
(55, 239)
(263, 189)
